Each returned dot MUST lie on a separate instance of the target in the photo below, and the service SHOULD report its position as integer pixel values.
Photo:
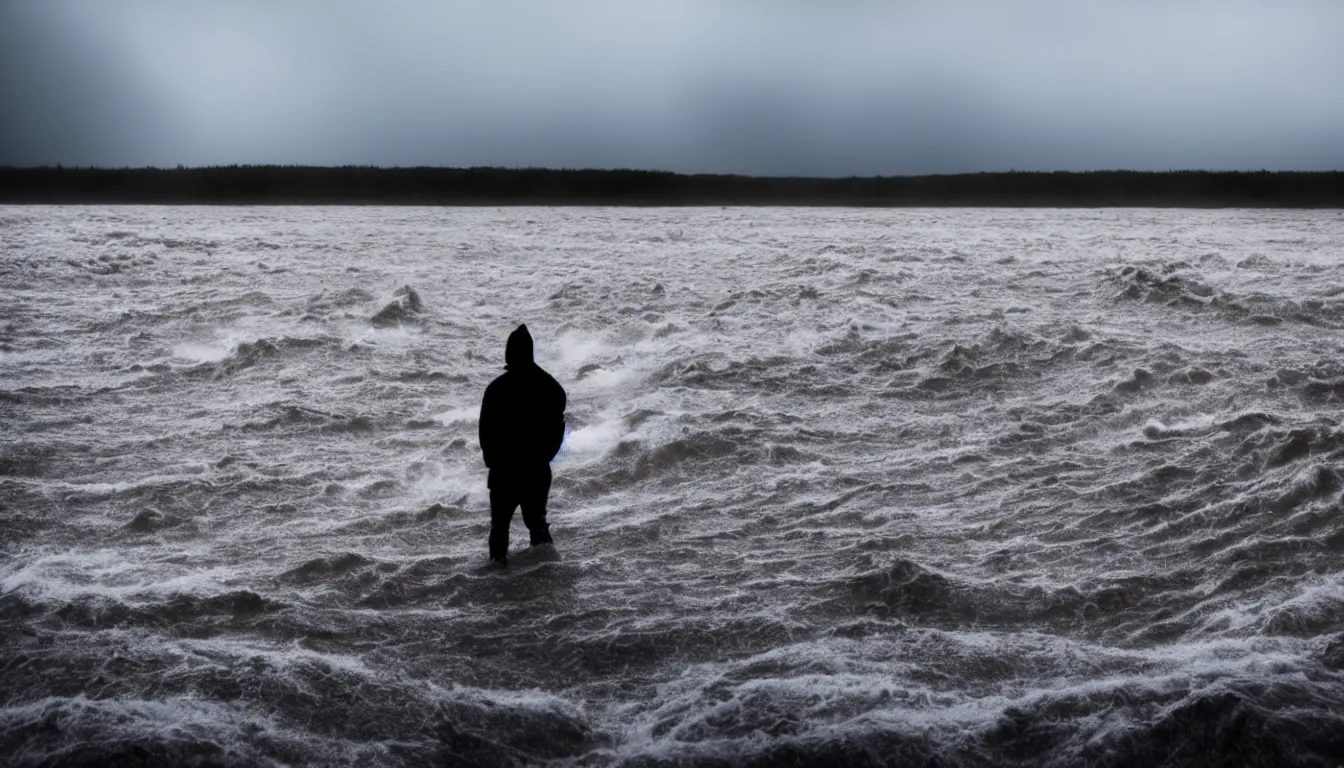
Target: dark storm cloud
(783, 87)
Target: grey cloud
(751, 86)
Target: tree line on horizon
(429, 185)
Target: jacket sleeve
(489, 430)
(555, 431)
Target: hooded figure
(522, 427)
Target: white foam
(604, 378)
(201, 353)
(463, 415)
(109, 573)
(445, 482)
(571, 350)
(21, 357)
(593, 440)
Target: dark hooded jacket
(523, 412)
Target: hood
(518, 352)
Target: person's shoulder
(500, 382)
(550, 380)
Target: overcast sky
(835, 87)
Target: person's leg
(532, 496)
(502, 503)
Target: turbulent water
(951, 487)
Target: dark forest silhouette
(275, 184)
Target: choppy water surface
(963, 487)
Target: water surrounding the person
(954, 487)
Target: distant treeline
(274, 184)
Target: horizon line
(180, 167)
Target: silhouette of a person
(522, 427)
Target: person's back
(521, 429)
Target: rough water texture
(952, 487)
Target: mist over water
(967, 487)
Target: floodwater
(948, 487)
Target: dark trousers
(510, 489)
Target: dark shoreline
(364, 185)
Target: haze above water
(963, 486)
